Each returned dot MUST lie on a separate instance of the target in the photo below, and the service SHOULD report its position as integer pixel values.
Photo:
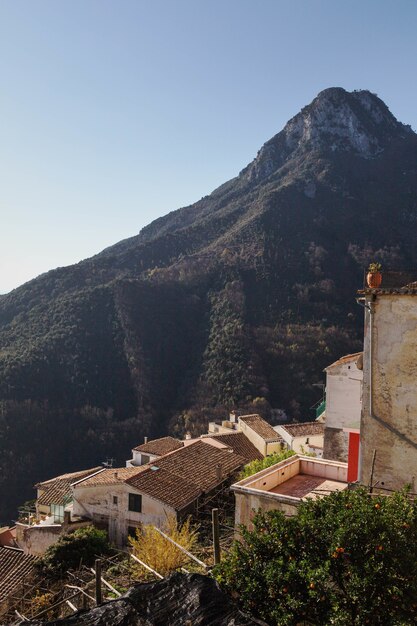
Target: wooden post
(371, 478)
(216, 537)
(190, 556)
(97, 568)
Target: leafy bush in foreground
(346, 559)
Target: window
(115, 500)
(135, 502)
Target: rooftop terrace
(285, 485)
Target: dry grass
(152, 548)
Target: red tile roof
(260, 427)
(161, 446)
(14, 567)
(112, 476)
(171, 489)
(304, 429)
(345, 359)
(239, 443)
(179, 477)
(198, 462)
(58, 490)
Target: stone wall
(335, 444)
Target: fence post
(98, 581)
(216, 537)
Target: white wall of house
(344, 395)
(140, 458)
(109, 506)
(344, 383)
(300, 445)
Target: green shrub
(71, 551)
(258, 465)
(345, 559)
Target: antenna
(108, 463)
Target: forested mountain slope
(246, 294)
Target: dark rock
(180, 600)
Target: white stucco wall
(391, 373)
(301, 445)
(97, 504)
(344, 395)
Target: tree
(346, 559)
(159, 553)
(81, 547)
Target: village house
(149, 451)
(176, 484)
(305, 437)
(54, 514)
(344, 380)
(388, 453)
(236, 441)
(55, 494)
(286, 484)
(259, 432)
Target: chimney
(218, 472)
(116, 475)
(145, 439)
(188, 435)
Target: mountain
(239, 299)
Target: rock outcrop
(180, 600)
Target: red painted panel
(353, 457)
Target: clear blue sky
(114, 112)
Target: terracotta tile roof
(112, 476)
(345, 359)
(58, 490)
(260, 427)
(161, 446)
(14, 567)
(183, 475)
(410, 290)
(239, 443)
(171, 489)
(304, 429)
(198, 462)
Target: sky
(115, 112)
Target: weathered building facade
(388, 457)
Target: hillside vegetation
(242, 297)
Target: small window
(135, 502)
(115, 500)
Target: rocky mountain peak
(335, 121)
